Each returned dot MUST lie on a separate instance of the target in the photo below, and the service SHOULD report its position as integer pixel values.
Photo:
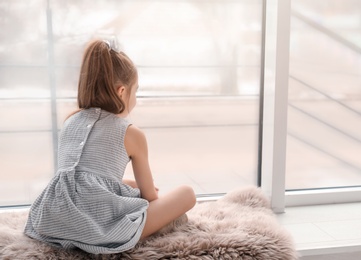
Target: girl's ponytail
(99, 77)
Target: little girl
(87, 204)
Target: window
(199, 65)
(324, 119)
(204, 67)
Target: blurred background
(200, 77)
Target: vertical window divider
(275, 101)
(261, 95)
(51, 71)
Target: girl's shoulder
(135, 140)
(134, 132)
(72, 113)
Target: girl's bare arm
(137, 149)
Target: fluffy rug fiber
(238, 226)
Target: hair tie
(108, 44)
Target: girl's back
(93, 139)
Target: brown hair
(101, 71)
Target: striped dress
(86, 205)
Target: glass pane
(209, 143)
(180, 47)
(199, 69)
(333, 17)
(324, 122)
(23, 33)
(26, 166)
(24, 82)
(25, 116)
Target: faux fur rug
(238, 226)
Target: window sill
(324, 229)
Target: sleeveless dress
(86, 205)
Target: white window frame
(276, 67)
(274, 123)
(276, 75)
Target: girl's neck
(124, 114)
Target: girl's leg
(167, 208)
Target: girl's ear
(120, 90)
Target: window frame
(275, 95)
(274, 133)
(273, 117)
